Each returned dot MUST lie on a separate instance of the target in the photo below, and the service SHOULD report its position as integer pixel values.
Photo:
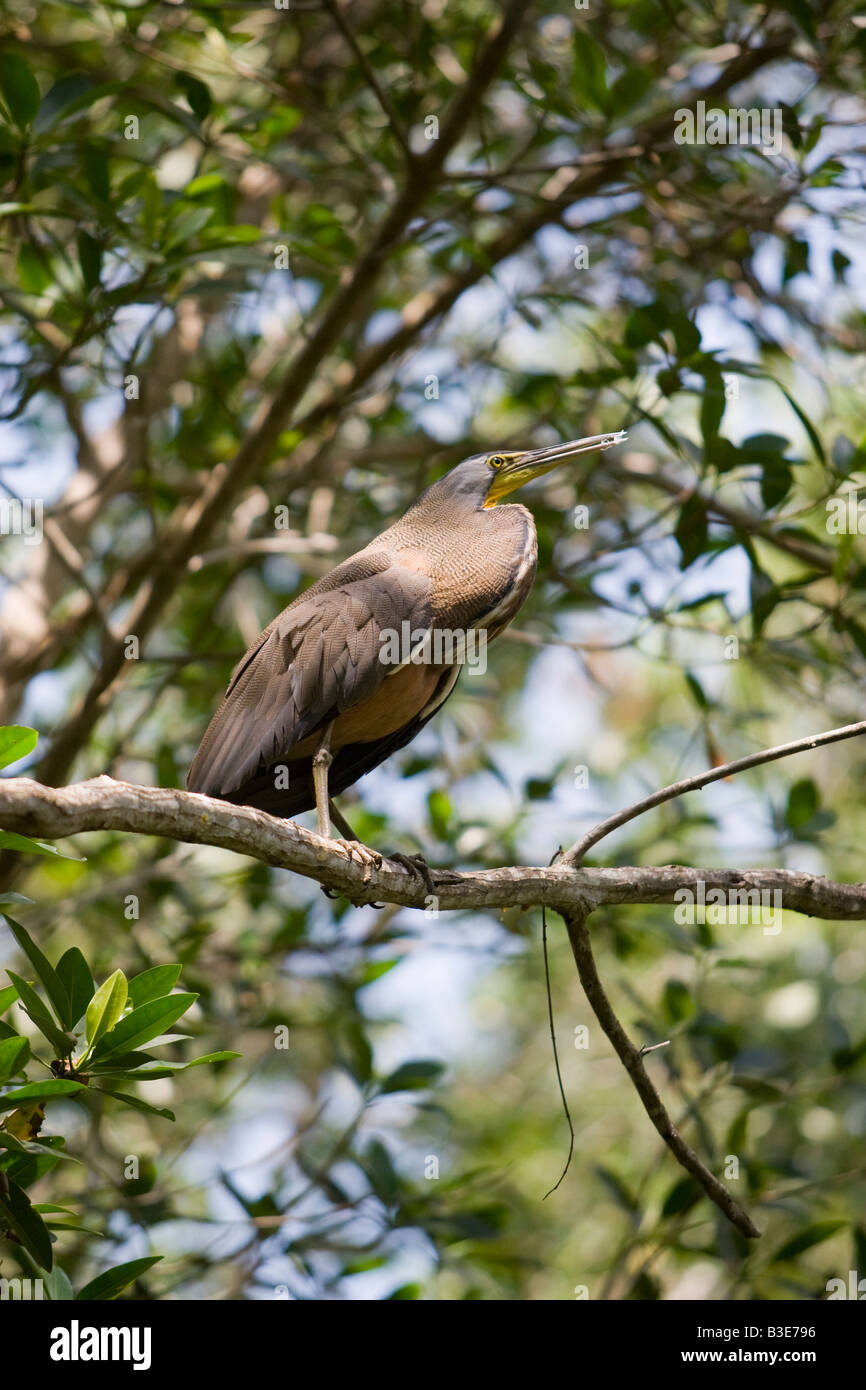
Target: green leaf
(50, 1148)
(589, 71)
(776, 480)
(8, 995)
(802, 13)
(96, 169)
(204, 183)
(19, 87)
(803, 803)
(814, 437)
(142, 1066)
(155, 983)
(16, 741)
(17, 1215)
(841, 263)
(381, 1172)
(33, 269)
(212, 1057)
(697, 691)
(112, 1282)
(45, 973)
(691, 530)
(239, 235)
(187, 224)
(144, 1023)
(678, 1002)
(686, 334)
(439, 807)
(34, 1006)
(135, 1103)
(796, 259)
(759, 1088)
(684, 1194)
(66, 94)
(617, 1188)
(74, 974)
(712, 405)
(412, 1076)
(59, 1288)
(763, 596)
(22, 844)
(106, 1007)
(812, 1235)
(36, 1147)
(196, 93)
(39, 1090)
(14, 1053)
(90, 259)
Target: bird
(355, 667)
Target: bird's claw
(416, 864)
(370, 858)
(332, 893)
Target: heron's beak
(523, 467)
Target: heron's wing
(321, 656)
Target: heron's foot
(416, 864)
(332, 893)
(370, 859)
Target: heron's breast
(397, 702)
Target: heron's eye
(496, 461)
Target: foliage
(390, 1121)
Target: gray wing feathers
(317, 659)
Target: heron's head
(484, 479)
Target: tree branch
(575, 854)
(632, 1060)
(31, 808)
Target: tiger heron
(322, 696)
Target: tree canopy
(267, 272)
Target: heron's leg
(415, 863)
(322, 759)
(340, 821)
(326, 810)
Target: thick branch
(632, 1060)
(31, 808)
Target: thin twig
(570, 1154)
(333, 8)
(576, 853)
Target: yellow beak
(522, 467)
